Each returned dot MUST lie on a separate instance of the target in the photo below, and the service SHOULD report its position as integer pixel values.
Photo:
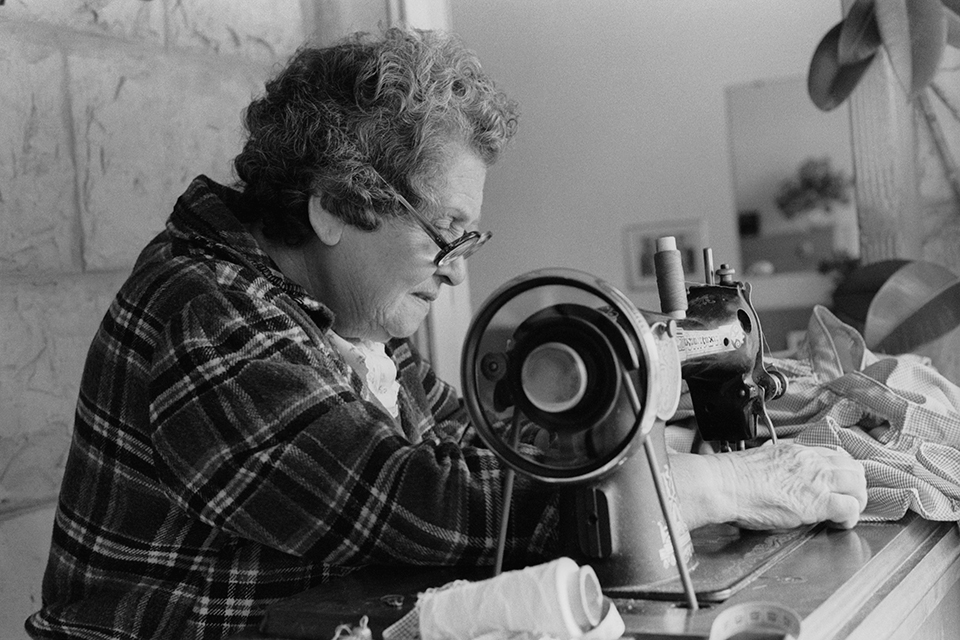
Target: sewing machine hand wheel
(562, 378)
(543, 371)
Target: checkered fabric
(896, 414)
(225, 455)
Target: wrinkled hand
(771, 487)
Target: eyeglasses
(463, 247)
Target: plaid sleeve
(261, 430)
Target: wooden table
(879, 581)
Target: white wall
(623, 121)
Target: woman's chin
(405, 329)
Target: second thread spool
(668, 264)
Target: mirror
(792, 177)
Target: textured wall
(108, 108)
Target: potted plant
(817, 187)
(913, 33)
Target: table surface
(874, 582)
(866, 581)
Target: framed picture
(640, 245)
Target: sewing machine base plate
(726, 559)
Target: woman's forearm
(699, 483)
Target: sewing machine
(570, 383)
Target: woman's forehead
(461, 183)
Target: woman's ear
(328, 227)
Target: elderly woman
(253, 419)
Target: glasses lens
(463, 247)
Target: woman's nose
(454, 272)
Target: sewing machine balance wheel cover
(559, 375)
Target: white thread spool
(558, 598)
(587, 598)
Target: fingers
(843, 510)
(847, 476)
(851, 481)
(843, 490)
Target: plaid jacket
(224, 454)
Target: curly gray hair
(362, 121)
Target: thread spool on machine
(570, 384)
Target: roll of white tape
(757, 621)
